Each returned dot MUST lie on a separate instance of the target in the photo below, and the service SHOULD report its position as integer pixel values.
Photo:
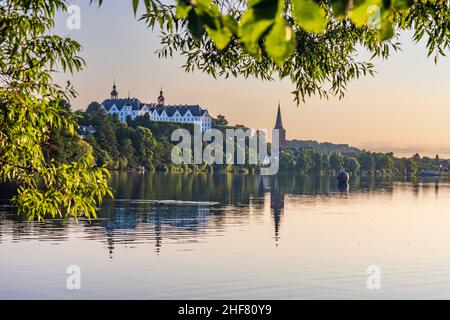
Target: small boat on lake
(343, 177)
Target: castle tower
(161, 98)
(114, 93)
(281, 130)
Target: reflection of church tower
(276, 204)
(281, 130)
(114, 93)
(161, 98)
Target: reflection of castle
(121, 220)
(126, 224)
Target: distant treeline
(142, 144)
(323, 147)
(309, 161)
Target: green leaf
(339, 8)
(251, 30)
(280, 42)
(401, 4)
(207, 6)
(309, 15)
(220, 37)
(364, 10)
(253, 49)
(252, 27)
(182, 10)
(256, 22)
(195, 25)
(135, 6)
(386, 32)
(230, 23)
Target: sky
(405, 108)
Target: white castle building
(132, 107)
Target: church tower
(281, 130)
(161, 98)
(114, 93)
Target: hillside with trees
(144, 145)
(138, 145)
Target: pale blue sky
(405, 108)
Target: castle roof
(120, 103)
(195, 110)
(170, 110)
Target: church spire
(279, 122)
(114, 93)
(161, 98)
(281, 130)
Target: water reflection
(343, 187)
(129, 223)
(276, 204)
(236, 236)
(206, 204)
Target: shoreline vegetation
(143, 145)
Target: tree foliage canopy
(311, 42)
(33, 108)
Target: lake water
(238, 237)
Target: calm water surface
(228, 236)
